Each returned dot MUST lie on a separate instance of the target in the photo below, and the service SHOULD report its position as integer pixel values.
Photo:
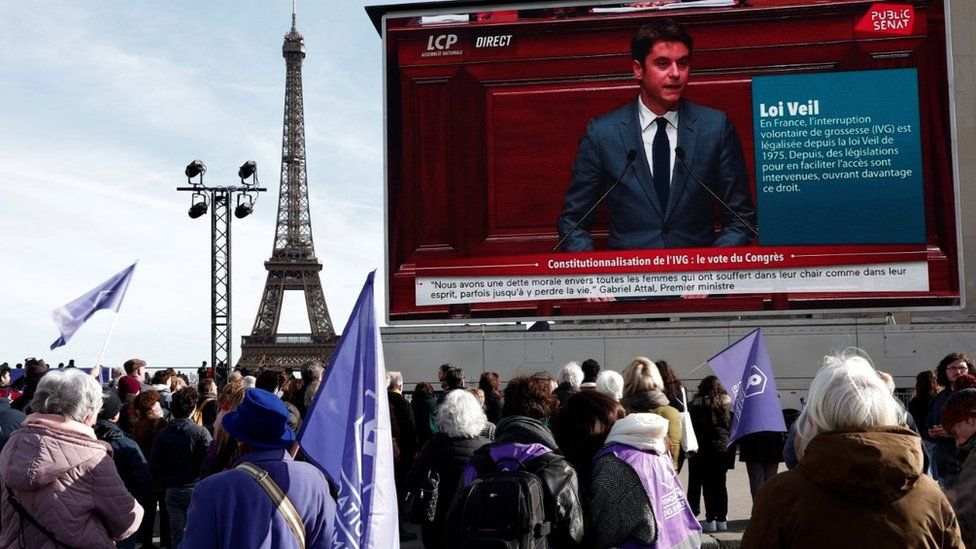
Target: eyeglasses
(957, 368)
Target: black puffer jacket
(447, 456)
(558, 478)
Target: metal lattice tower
(293, 265)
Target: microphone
(679, 152)
(631, 156)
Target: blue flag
(107, 295)
(746, 372)
(347, 433)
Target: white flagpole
(696, 368)
(107, 337)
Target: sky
(104, 104)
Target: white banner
(881, 277)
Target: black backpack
(501, 508)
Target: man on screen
(657, 203)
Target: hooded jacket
(66, 480)
(656, 402)
(558, 477)
(854, 489)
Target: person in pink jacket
(59, 483)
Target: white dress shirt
(649, 130)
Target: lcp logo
(441, 42)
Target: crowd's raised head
(489, 382)
(846, 395)
(69, 393)
(961, 363)
(529, 396)
(271, 381)
(581, 426)
(460, 415)
(134, 366)
(610, 383)
(571, 374)
(965, 381)
(394, 381)
(453, 379)
(591, 369)
(184, 401)
(642, 375)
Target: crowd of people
(589, 457)
(84, 465)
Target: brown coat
(854, 489)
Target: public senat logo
(439, 45)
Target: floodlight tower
(221, 198)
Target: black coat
(558, 478)
(424, 406)
(407, 439)
(447, 456)
(764, 447)
(129, 461)
(493, 406)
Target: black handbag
(421, 503)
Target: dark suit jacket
(637, 219)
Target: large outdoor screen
(806, 152)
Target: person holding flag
(711, 416)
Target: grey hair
(460, 415)
(250, 382)
(394, 380)
(846, 395)
(611, 383)
(71, 393)
(572, 374)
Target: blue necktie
(661, 164)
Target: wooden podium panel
(481, 140)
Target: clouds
(105, 103)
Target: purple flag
(347, 433)
(746, 372)
(107, 295)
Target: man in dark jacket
(129, 461)
(528, 402)
(405, 438)
(177, 454)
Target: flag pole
(699, 367)
(107, 337)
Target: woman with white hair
(644, 392)
(570, 378)
(60, 485)
(611, 383)
(860, 481)
(460, 420)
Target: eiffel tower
(293, 265)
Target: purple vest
(676, 525)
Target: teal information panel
(838, 158)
